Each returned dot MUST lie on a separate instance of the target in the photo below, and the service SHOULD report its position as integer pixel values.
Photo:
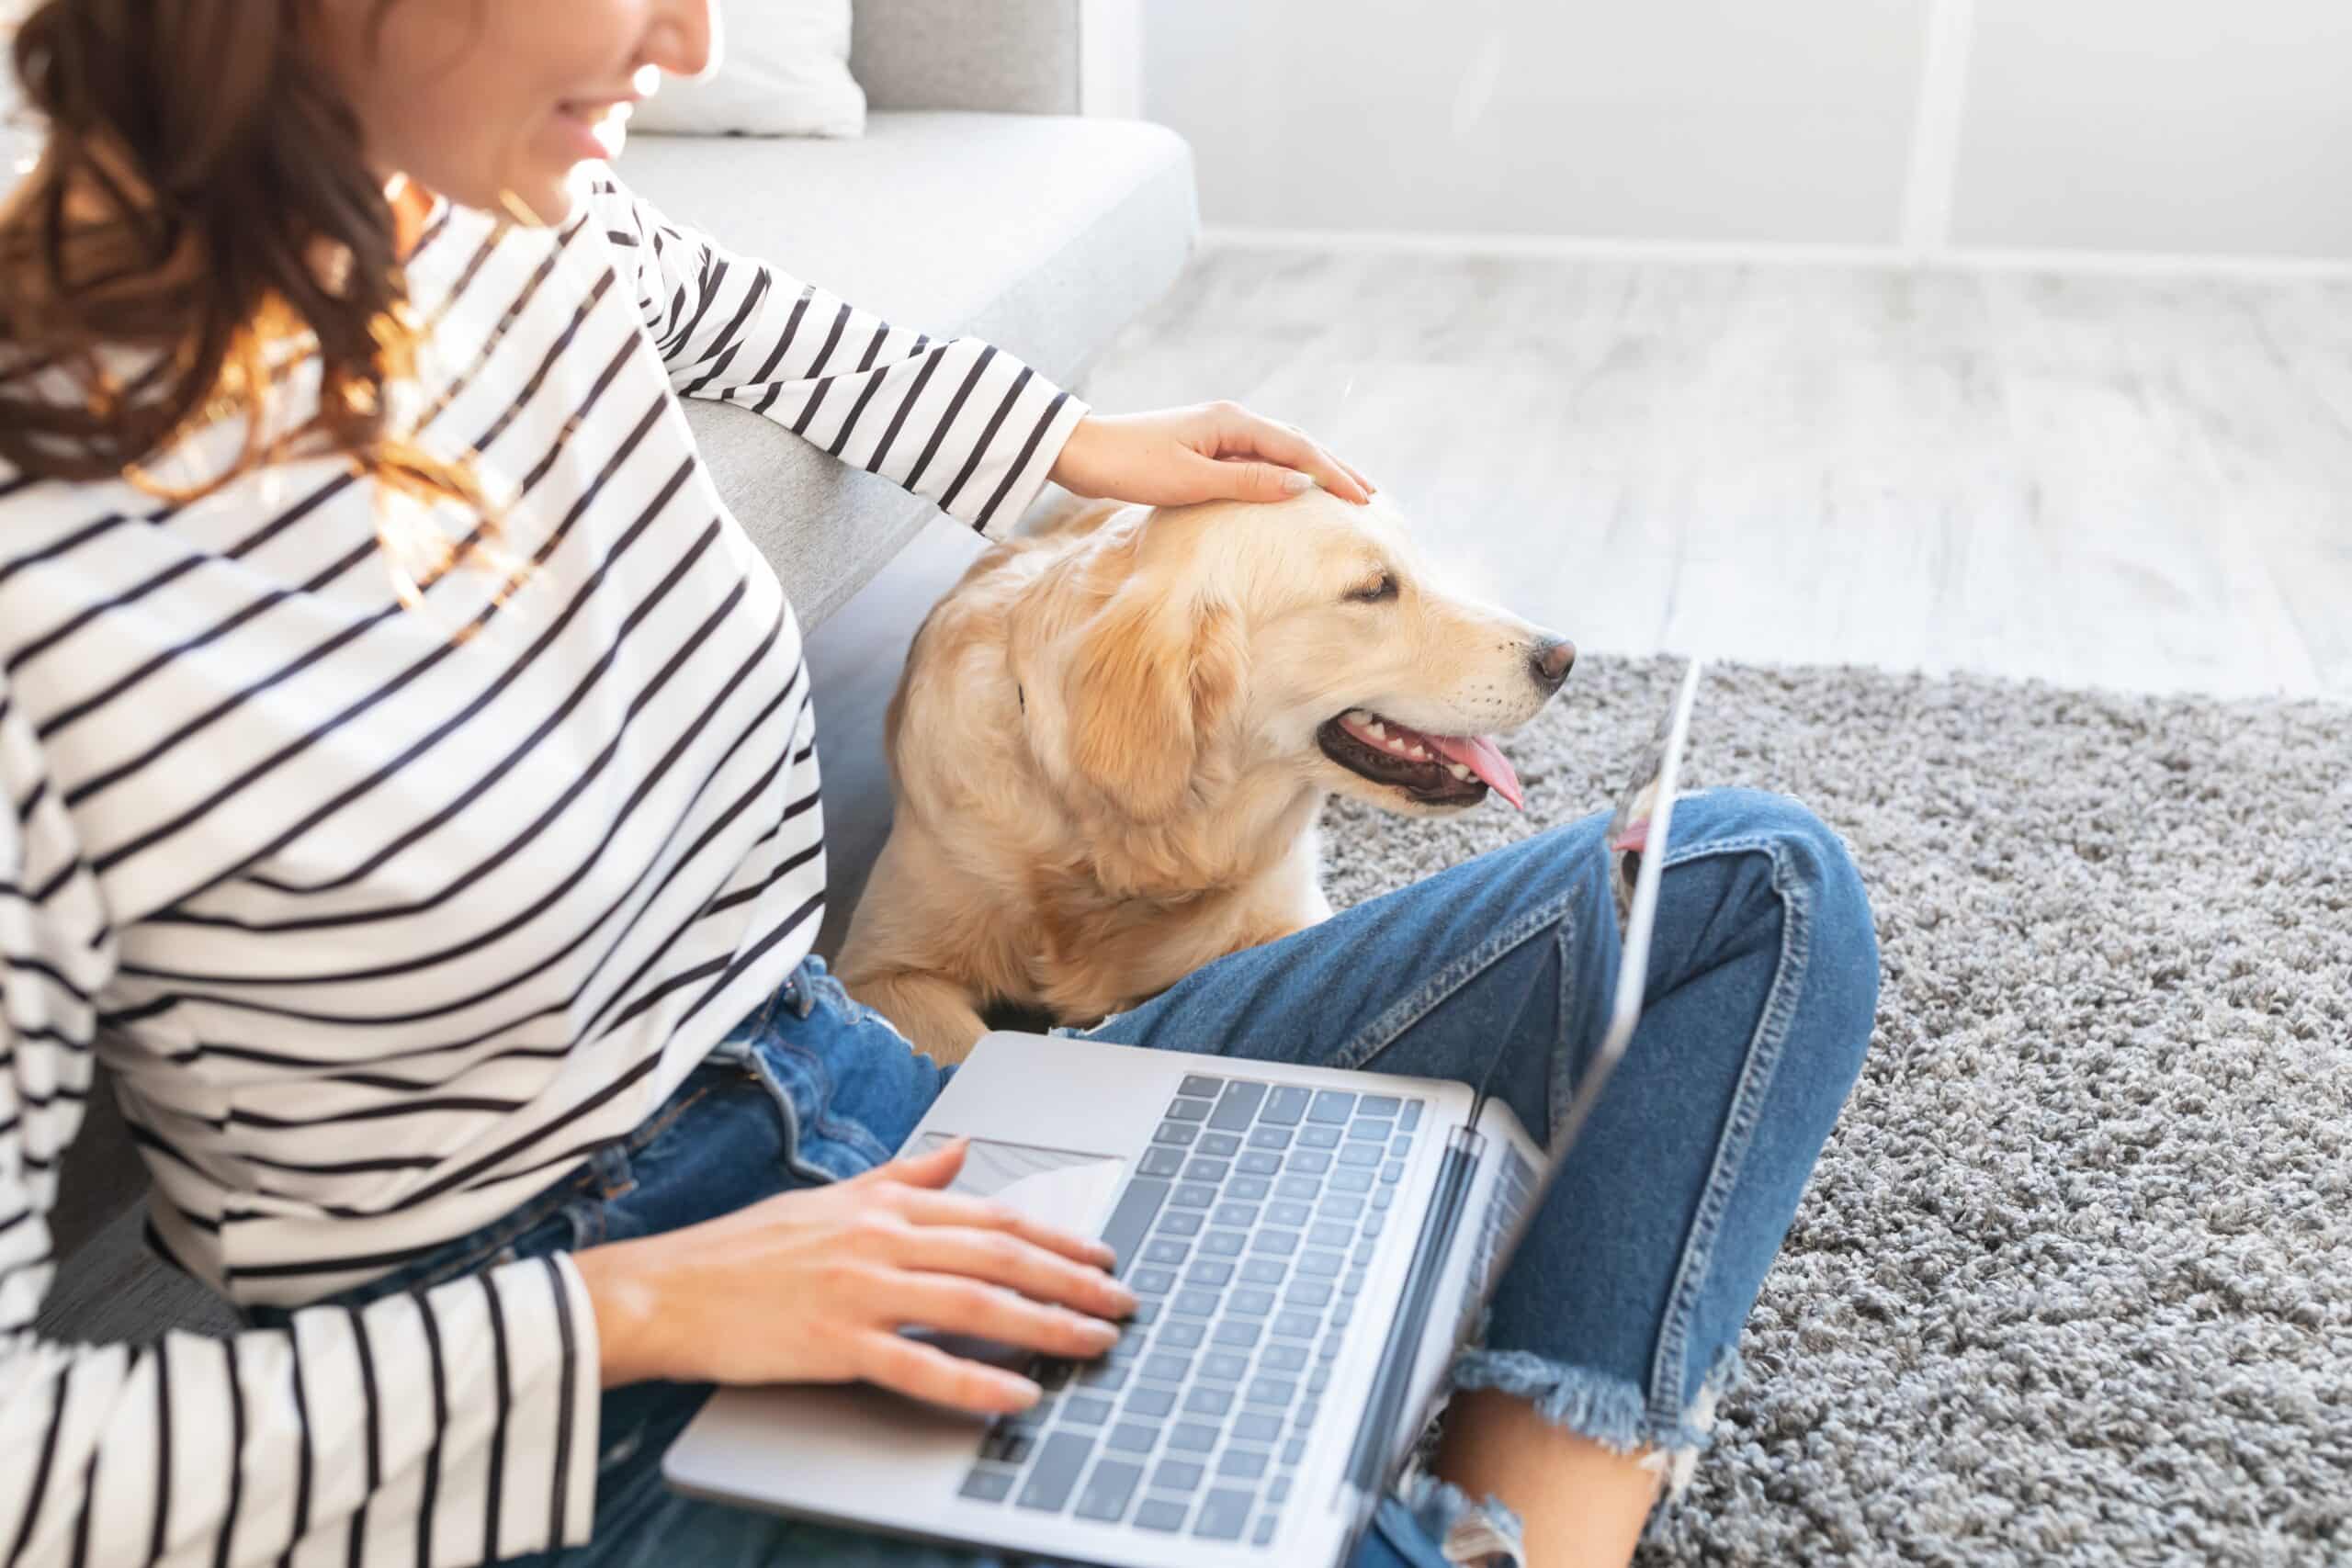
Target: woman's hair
(203, 199)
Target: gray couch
(978, 202)
(974, 204)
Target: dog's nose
(1551, 661)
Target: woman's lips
(594, 129)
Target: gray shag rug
(2073, 1280)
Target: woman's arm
(468, 1413)
(954, 420)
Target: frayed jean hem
(1478, 1534)
(1610, 1411)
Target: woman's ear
(1149, 678)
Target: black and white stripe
(392, 914)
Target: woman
(405, 766)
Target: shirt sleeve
(956, 420)
(441, 1430)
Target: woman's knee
(1815, 879)
(1809, 854)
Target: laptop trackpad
(1070, 1190)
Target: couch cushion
(1043, 234)
(785, 71)
(1007, 56)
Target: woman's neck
(412, 208)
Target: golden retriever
(1112, 742)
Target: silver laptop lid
(1634, 842)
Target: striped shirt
(386, 910)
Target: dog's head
(1174, 652)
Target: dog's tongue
(1478, 753)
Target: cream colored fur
(1103, 756)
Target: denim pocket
(827, 991)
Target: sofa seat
(1042, 233)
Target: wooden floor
(2109, 481)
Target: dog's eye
(1375, 593)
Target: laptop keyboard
(1245, 1233)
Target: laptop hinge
(1366, 1478)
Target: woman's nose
(685, 37)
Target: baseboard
(1576, 247)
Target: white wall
(1681, 119)
(2165, 125)
(2174, 126)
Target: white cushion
(784, 72)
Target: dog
(1113, 741)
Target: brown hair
(203, 198)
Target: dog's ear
(1150, 677)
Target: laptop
(1310, 1247)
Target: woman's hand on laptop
(813, 1286)
(1210, 452)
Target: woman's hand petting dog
(813, 1286)
(1212, 452)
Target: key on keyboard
(1237, 1106)
(1107, 1490)
(1055, 1476)
(1222, 1516)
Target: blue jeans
(1620, 1313)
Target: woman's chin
(557, 200)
